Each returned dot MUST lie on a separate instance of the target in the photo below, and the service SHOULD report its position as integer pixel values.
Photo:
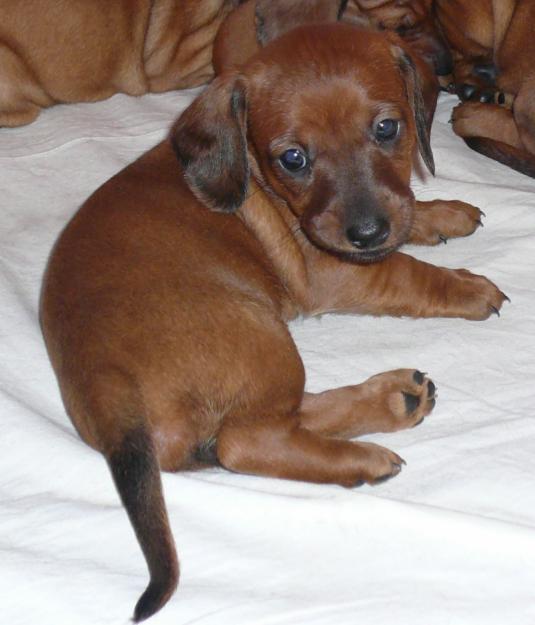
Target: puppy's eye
(293, 160)
(386, 130)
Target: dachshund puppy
(166, 299)
(54, 51)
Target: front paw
(437, 221)
(472, 296)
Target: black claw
(495, 310)
(418, 377)
(479, 223)
(418, 422)
(359, 483)
(443, 238)
(432, 403)
(411, 402)
(483, 213)
(431, 388)
(507, 299)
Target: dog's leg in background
(402, 286)
(492, 130)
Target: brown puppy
(166, 299)
(54, 51)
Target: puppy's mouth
(350, 254)
(368, 256)
(326, 233)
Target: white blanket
(451, 540)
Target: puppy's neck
(279, 233)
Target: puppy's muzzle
(369, 232)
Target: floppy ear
(209, 139)
(416, 101)
(276, 17)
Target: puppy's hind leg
(283, 448)
(386, 402)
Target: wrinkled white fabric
(451, 540)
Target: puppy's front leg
(439, 220)
(400, 286)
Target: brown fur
(54, 51)
(166, 322)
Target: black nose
(368, 232)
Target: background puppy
(256, 21)
(494, 44)
(54, 51)
(166, 321)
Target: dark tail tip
(153, 599)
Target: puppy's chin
(345, 251)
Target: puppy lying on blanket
(166, 299)
(54, 51)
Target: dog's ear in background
(276, 17)
(422, 117)
(209, 139)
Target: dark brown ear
(209, 139)
(276, 17)
(416, 101)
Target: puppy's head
(327, 119)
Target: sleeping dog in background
(283, 190)
(59, 51)
(255, 21)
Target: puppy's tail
(136, 474)
(127, 444)
(520, 160)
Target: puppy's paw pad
(408, 398)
